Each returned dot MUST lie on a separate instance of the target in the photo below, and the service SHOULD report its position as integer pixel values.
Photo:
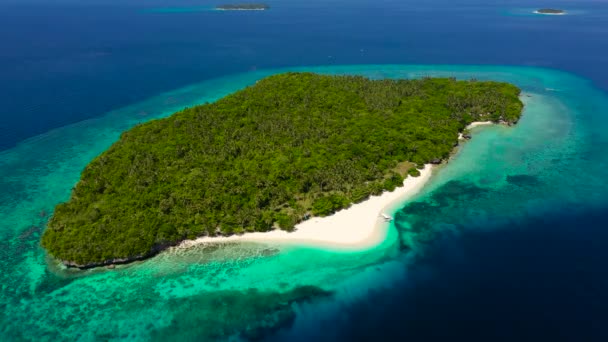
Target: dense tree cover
(265, 157)
(550, 11)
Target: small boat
(386, 217)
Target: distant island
(243, 7)
(291, 146)
(550, 11)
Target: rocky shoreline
(121, 261)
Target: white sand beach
(359, 227)
(473, 125)
(537, 12)
(479, 123)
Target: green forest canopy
(265, 157)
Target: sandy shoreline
(537, 12)
(358, 227)
(479, 123)
(473, 125)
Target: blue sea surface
(506, 242)
(64, 61)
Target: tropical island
(243, 7)
(267, 157)
(550, 11)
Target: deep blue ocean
(63, 61)
(514, 249)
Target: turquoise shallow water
(549, 160)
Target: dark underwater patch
(51, 282)
(249, 314)
(428, 217)
(539, 279)
(523, 180)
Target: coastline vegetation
(550, 11)
(266, 157)
(244, 6)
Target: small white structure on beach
(386, 217)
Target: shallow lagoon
(547, 162)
